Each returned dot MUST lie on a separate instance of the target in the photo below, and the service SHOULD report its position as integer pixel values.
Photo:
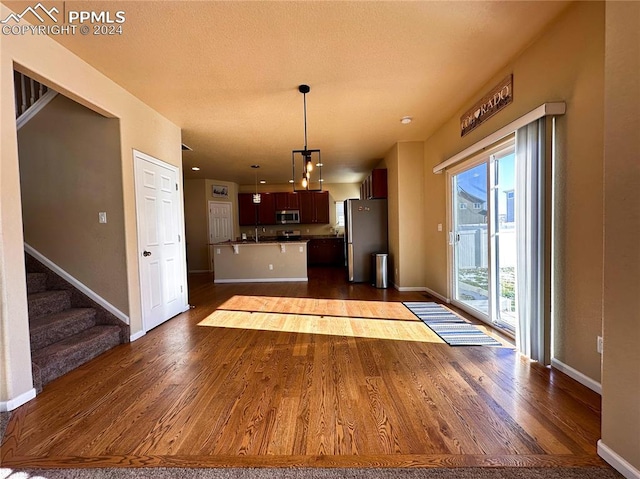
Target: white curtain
(529, 210)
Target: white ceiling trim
(546, 109)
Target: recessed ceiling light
(262, 182)
(290, 181)
(321, 180)
(405, 120)
(195, 168)
(319, 165)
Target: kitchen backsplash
(305, 230)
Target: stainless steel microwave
(287, 216)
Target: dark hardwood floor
(323, 374)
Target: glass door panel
(504, 238)
(470, 238)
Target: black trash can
(379, 273)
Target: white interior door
(220, 225)
(161, 249)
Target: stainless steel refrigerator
(365, 233)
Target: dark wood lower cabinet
(325, 252)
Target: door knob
(146, 253)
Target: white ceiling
(228, 73)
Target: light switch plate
(102, 217)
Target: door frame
(137, 156)
(472, 161)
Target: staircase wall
(78, 299)
(70, 170)
(142, 128)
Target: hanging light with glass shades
(308, 176)
(257, 198)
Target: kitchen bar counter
(261, 241)
(265, 261)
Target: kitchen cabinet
(267, 209)
(287, 201)
(375, 185)
(263, 214)
(314, 207)
(246, 209)
(325, 252)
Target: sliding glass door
(483, 236)
(470, 238)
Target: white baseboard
(437, 295)
(409, 288)
(262, 280)
(617, 462)
(14, 403)
(136, 336)
(577, 375)
(422, 289)
(77, 284)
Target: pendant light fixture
(257, 197)
(308, 175)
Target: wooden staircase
(65, 329)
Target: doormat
(453, 330)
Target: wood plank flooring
(323, 374)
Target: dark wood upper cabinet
(246, 209)
(287, 201)
(306, 207)
(322, 207)
(263, 214)
(375, 185)
(314, 207)
(267, 209)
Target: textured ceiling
(227, 73)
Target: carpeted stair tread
(61, 357)
(49, 329)
(47, 302)
(36, 282)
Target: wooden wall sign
(494, 101)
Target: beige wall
(564, 64)
(69, 171)
(391, 163)
(195, 219)
(140, 127)
(260, 262)
(621, 361)
(405, 179)
(197, 194)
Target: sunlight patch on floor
(391, 329)
(320, 307)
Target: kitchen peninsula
(260, 262)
